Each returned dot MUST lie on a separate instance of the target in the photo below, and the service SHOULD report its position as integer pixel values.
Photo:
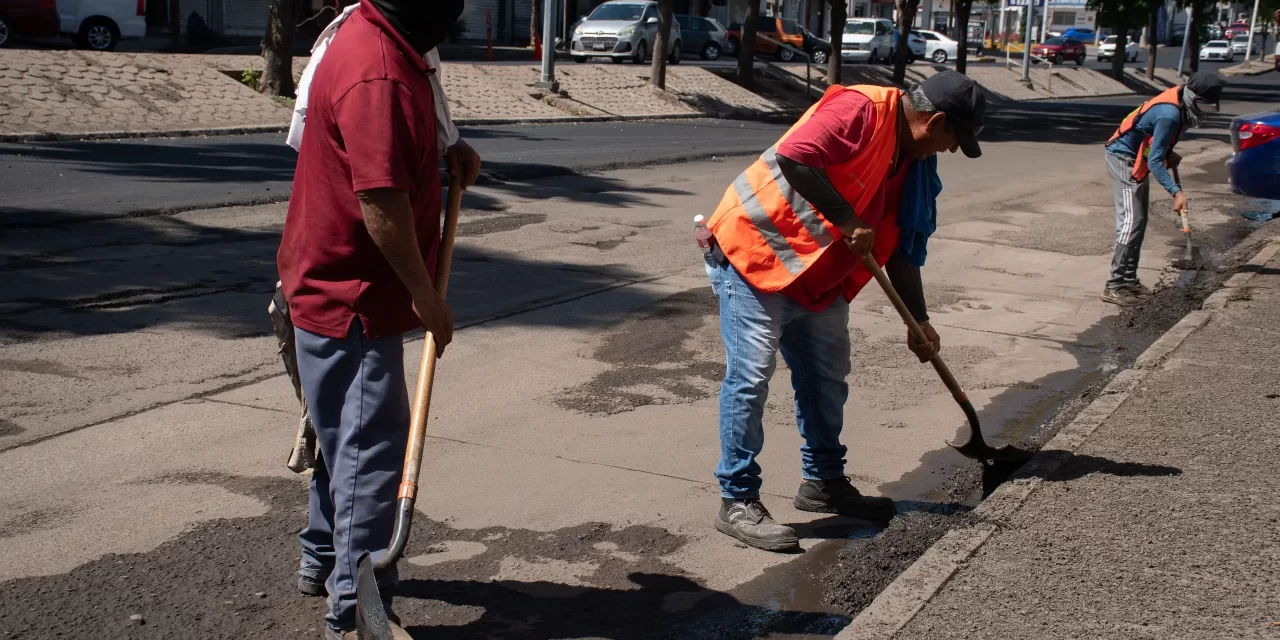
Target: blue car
(1083, 35)
(1254, 167)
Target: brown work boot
(1121, 297)
(748, 521)
(839, 496)
(397, 631)
(1139, 290)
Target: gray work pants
(1132, 203)
(355, 390)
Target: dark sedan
(703, 36)
(1254, 167)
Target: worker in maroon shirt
(356, 262)
(857, 174)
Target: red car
(28, 18)
(1236, 29)
(1059, 49)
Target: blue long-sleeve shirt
(1162, 122)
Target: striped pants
(1132, 200)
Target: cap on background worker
(857, 173)
(1143, 146)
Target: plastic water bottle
(701, 233)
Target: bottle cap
(698, 219)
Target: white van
(867, 40)
(101, 24)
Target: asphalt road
(59, 182)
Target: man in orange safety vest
(856, 174)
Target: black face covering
(423, 23)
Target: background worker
(356, 261)
(1143, 146)
(788, 236)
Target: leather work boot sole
(749, 522)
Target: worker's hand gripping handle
(422, 397)
(914, 327)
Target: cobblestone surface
(73, 92)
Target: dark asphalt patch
(498, 223)
(235, 578)
(8, 428)
(670, 353)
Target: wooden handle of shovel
(914, 327)
(427, 369)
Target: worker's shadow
(659, 606)
(1064, 466)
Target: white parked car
(1107, 50)
(101, 24)
(937, 47)
(1241, 42)
(1217, 50)
(867, 40)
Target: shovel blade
(981, 451)
(371, 613)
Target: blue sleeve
(1161, 142)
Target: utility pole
(1044, 23)
(1186, 35)
(1026, 52)
(1252, 25)
(548, 79)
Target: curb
(49, 136)
(899, 603)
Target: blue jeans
(355, 388)
(754, 325)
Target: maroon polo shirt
(370, 124)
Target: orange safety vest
(1173, 96)
(771, 235)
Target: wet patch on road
(9, 428)
(670, 353)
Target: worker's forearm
(1161, 143)
(814, 185)
(389, 218)
(906, 280)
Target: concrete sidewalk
(1153, 515)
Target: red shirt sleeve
(835, 133)
(375, 120)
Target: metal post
(1252, 25)
(1026, 52)
(1044, 22)
(1186, 37)
(548, 79)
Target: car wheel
(1079, 59)
(819, 57)
(616, 60)
(733, 46)
(785, 54)
(5, 31)
(711, 51)
(940, 57)
(641, 52)
(1057, 59)
(579, 59)
(674, 58)
(99, 34)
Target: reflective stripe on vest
(769, 232)
(1173, 96)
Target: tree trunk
(1193, 44)
(570, 16)
(1117, 59)
(906, 17)
(535, 22)
(277, 51)
(1152, 39)
(963, 8)
(658, 71)
(951, 21)
(747, 48)
(175, 25)
(839, 13)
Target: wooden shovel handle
(427, 370)
(914, 327)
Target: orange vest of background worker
(785, 262)
(1173, 96)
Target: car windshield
(1054, 42)
(630, 12)
(860, 28)
(1109, 40)
(1240, 39)
(1218, 44)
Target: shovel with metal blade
(371, 613)
(976, 448)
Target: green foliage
(249, 77)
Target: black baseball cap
(962, 99)
(1207, 85)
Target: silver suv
(622, 29)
